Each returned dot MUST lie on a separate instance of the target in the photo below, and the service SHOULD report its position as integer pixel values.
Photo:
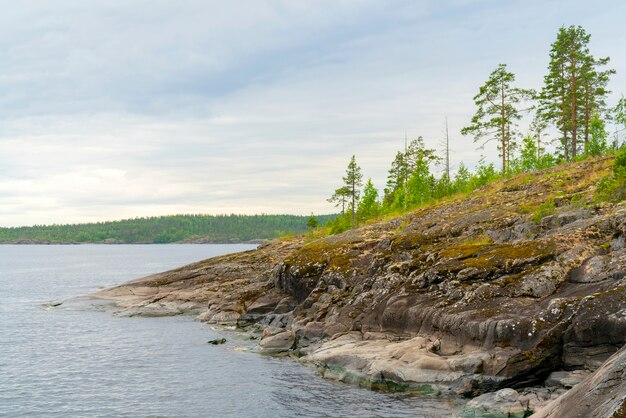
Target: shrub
(613, 187)
(543, 210)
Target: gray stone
(566, 379)
(592, 270)
(310, 333)
(278, 343)
(469, 363)
(501, 403)
(285, 305)
(601, 394)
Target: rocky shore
(511, 296)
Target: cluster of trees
(574, 91)
(164, 229)
(572, 101)
(410, 183)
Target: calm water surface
(66, 361)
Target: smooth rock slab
(566, 379)
(601, 394)
(408, 362)
(278, 343)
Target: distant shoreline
(41, 242)
(186, 229)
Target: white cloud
(122, 109)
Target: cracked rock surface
(473, 294)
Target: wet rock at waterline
(278, 343)
(471, 295)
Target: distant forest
(164, 229)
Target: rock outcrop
(601, 395)
(473, 294)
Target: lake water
(64, 362)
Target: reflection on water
(58, 361)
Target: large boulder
(601, 395)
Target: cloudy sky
(117, 109)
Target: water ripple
(59, 362)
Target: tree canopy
(497, 112)
(573, 99)
(575, 88)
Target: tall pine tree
(421, 182)
(498, 102)
(409, 176)
(353, 180)
(396, 180)
(574, 88)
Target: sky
(122, 109)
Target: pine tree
(312, 222)
(369, 205)
(443, 185)
(409, 172)
(553, 99)
(620, 111)
(420, 184)
(396, 179)
(574, 88)
(417, 154)
(497, 103)
(340, 198)
(594, 84)
(462, 178)
(353, 180)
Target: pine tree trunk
(504, 148)
(508, 145)
(353, 196)
(564, 115)
(573, 102)
(587, 119)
